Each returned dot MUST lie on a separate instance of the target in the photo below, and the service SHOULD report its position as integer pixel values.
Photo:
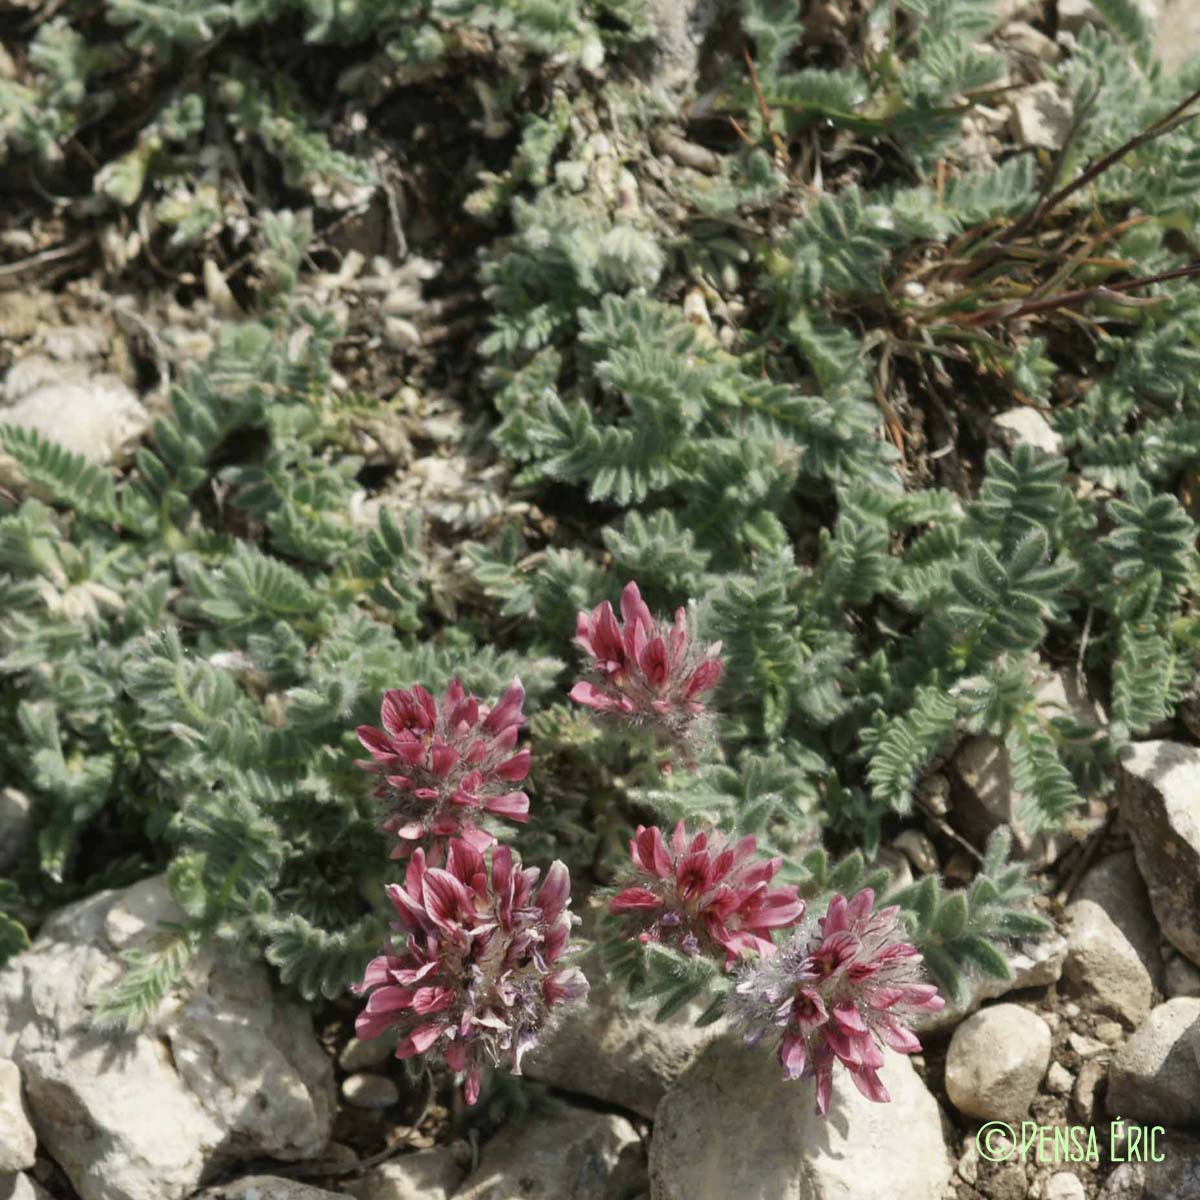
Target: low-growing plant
(477, 970)
(748, 352)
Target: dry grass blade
(1019, 309)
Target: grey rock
(1176, 1177)
(1059, 1080)
(1041, 116)
(18, 1145)
(75, 343)
(1008, 1182)
(996, 1061)
(1088, 1084)
(1177, 35)
(680, 29)
(1182, 978)
(21, 1187)
(732, 1127)
(1155, 1077)
(1158, 790)
(226, 1070)
(1025, 426)
(97, 417)
(425, 1175)
(987, 797)
(1023, 40)
(266, 1187)
(1073, 15)
(934, 791)
(1062, 1185)
(365, 1090)
(574, 1155)
(361, 1056)
(1117, 886)
(1102, 965)
(968, 1164)
(130, 917)
(896, 865)
(613, 1053)
(1084, 1046)
(919, 850)
(1010, 10)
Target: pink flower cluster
(477, 971)
(704, 897)
(838, 992)
(444, 762)
(646, 672)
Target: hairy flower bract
(442, 763)
(701, 896)
(477, 970)
(647, 672)
(837, 992)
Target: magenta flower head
(838, 993)
(703, 897)
(478, 970)
(444, 763)
(646, 672)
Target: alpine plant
(442, 763)
(479, 963)
(702, 897)
(837, 992)
(646, 672)
(477, 968)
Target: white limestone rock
(226, 1070)
(996, 1061)
(731, 1126)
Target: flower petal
(633, 899)
(792, 1056)
(554, 892)
(514, 805)
(508, 711)
(591, 696)
(514, 769)
(418, 1041)
(447, 901)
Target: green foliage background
(751, 362)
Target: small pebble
(357, 1056)
(934, 791)
(1064, 1186)
(1059, 1080)
(1085, 1046)
(968, 1164)
(959, 868)
(1110, 1032)
(1091, 1077)
(1009, 1183)
(1183, 979)
(919, 850)
(896, 865)
(995, 1062)
(370, 1091)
